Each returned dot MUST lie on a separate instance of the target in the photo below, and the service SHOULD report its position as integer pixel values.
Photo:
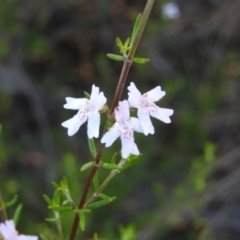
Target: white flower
(171, 10)
(8, 231)
(146, 107)
(123, 128)
(88, 109)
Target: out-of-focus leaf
(87, 166)
(11, 202)
(115, 57)
(82, 221)
(141, 60)
(92, 147)
(101, 203)
(17, 213)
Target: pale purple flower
(171, 10)
(123, 128)
(88, 110)
(8, 231)
(146, 107)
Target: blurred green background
(186, 184)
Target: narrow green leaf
(104, 196)
(0, 129)
(131, 160)
(86, 166)
(101, 203)
(113, 159)
(56, 198)
(65, 202)
(92, 147)
(115, 57)
(119, 43)
(60, 208)
(87, 95)
(47, 199)
(135, 28)
(52, 219)
(95, 181)
(55, 185)
(141, 60)
(82, 221)
(17, 213)
(64, 183)
(110, 166)
(127, 43)
(11, 202)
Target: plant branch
(104, 184)
(118, 93)
(143, 22)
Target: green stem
(104, 184)
(59, 225)
(143, 22)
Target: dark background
(186, 184)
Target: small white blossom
(88, 109)
(171, 10)
(8, 231)
(123, 128)
(146, 107)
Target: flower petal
(93, 125)
(155, 94)
(8, 229)
(145, 121)
(162, 114)
(122, 111)
(128, 146)
(94, 93)
(134, 96)
(100, 101)
(75, 103)
(134, 123)
(110, 136)
(74, 124)
(133, 89)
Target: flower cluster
(124, 127)
(8, 232)
(88, 109)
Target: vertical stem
(59, 225)
(143, 22)
(121, 83)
